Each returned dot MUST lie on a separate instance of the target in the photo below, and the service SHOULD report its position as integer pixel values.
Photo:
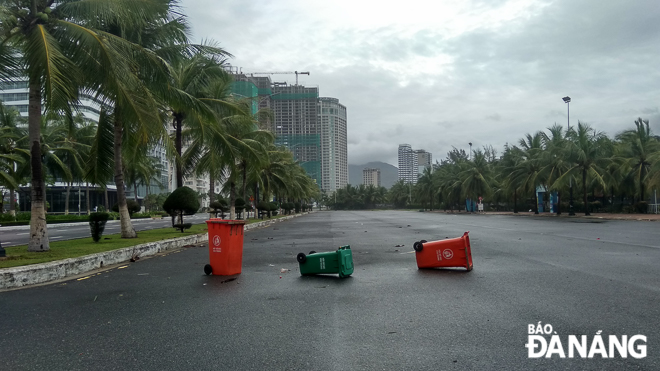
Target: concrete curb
(11, 278)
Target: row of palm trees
(135, 59)
(556, 160)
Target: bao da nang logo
(542, 341)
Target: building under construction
(312, 128)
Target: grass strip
(18, 255)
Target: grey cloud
(503, 83)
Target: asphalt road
(163, 313)
(20, 235)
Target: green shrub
(66, 218)
(23, 216)
(133, 207)
(183, 226)
(97, 223)
(219, 206)
(6, 217)
(641, 207)
(182, 201)
(287, 207)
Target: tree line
(614, 174)
(135, 59)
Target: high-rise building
(15, 94)
(371, 177)
(314, 129)
(407, 164)
(334, 157)
(423, 161)
(296, 125)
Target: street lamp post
(470, 150)
(567, 100)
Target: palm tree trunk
(536, 202)
(38, 227)
(146, 197)
(178, 123)
(66, 198)
(12, 202)
(245, 199)
(515, 201)
(584, 191)
(127, 230)
(87, 198)
(107, 199)
(232, 200)
(212, 189)
(558, 202)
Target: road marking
(122, 267)
(22, 234)
(84, 278)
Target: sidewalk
(607, 216)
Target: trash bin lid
(225, 221)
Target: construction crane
(281, 73)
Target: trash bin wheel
(418, 246)
(301, 258)
(312, 252)
(208, 269)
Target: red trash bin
(453, 252)
(225, 247)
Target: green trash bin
(340, 261)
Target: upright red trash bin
(225, 247)
(452, 252)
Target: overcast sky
(442, 73)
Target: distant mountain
(388, 174)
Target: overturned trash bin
(340, 261)
(225, 247)
(453, 252)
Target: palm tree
(528, 172)
(638, 146)
(586, 149)
(398, 194)
(141, 169)
(128, 82)
(554, 159)
(73, 146)
(58, 47)
(13, 155)
(201, 76)
(426, 187)
(477, 179)
(510, 162)
(99, 166)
